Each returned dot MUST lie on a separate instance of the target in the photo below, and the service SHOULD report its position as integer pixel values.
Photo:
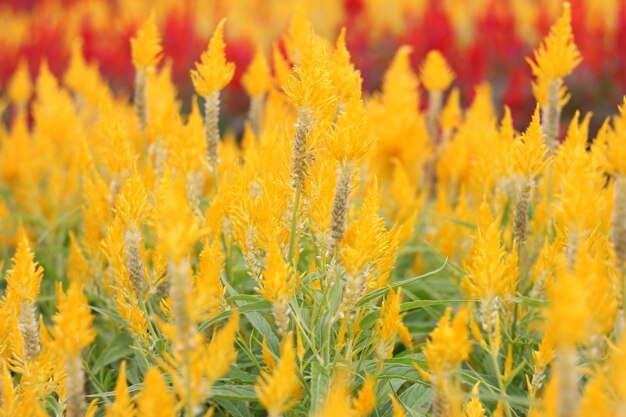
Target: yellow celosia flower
(365, 401)
(155, 398)
(277, 285)
(530, 149)
(389, 326)
(346, 79)
(122, 406)
(309, 86)
(177, 227)
(567, 319)
(73, 329)
(257, 78)
(398, 409)
(221, 352)
(435, 73)
(24, 279)
(474, 408)
(279, 390)
(337, 401)
(131, 203)
(213, 72)
(448, 345)
(208, 291)
(596, 400)
(558, 55)
(146, 45)
(492, 272)
(20, 86)
(78, 268)
(352, 136)
(451, 114)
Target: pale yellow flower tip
(20, 86)
(213, 72)
(257, 78)
(558, 55)
(435, 73)
(146, 47)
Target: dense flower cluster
(392, 253)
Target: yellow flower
(78, 268)
(155, 399)
(474, 408)
(213, 72)
(352, 137)
(435, 73)
(221, 352)
(309, 87)
(365, 401)
(25, 277)
(20, 85)
(398, 409)
(389, 326)
(177, 227)
(122, 406)
(448, 345)
(257, 78)
(346, 79)
(530, 149)
(131, 203)
(279, 390)
(146, 46)
(337, 400)
(567, 318)
(73, 328)
(276, 283)
(558, 55)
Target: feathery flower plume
(279, 389)
(73, 332)
(211, 75)
(555, 58)
(436, 76)
(530, 159)
(155, 399)
(389, 326)
(146, 53)
(446, 349)
(24, 280)
(277, 286)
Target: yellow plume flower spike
(279, 391)
(337, 400)
(78, 268)
(309, 87)
(146, 45)
(131, 203)
(282, 69)
(257, 78)
(448, 345)
(122, 406)
(558, 55)
(435, 72)
(213, 72)
(398, 409)
(352, 137)
(20, 85)
(346, 79)
(221, 352)
(277, 285)
(365, 401)
(474, 408)
(389, 326)
(530, 149)
(175, 223)
(73, 328)
(24, 279)
(567, 319)
(155, 398)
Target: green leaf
(234, 392)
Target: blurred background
(482, 39)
